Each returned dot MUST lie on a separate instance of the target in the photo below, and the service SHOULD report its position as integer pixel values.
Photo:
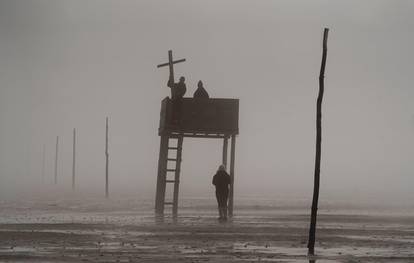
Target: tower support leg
(177, 176)
(162, 167)
(232, 158)
(225, 147)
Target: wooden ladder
(170, 153)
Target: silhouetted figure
(177, 93)
(200, 93)
(222, 181)
(177, 89)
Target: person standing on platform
(177, 93)
(177, 89)
(222, 181)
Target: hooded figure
(222, 181)
(200, 93)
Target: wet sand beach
(126, 231)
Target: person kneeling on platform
(222, 181)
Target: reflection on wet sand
(118, 231)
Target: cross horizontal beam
(167, 64)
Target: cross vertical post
(170, 64)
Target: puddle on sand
(283, 254)
(18, 250)
(297, 260)
(118, 245)
(301, 260)
(290, 251)
(264, 254)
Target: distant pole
(56, 158)
(312, 229)
(74, 159)
(43, 162)
(107, 160)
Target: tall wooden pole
(56, 158)
(74, 159)
(43, 162)
(107, 161)
(314, 211)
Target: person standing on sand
(222, 181)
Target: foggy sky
(69, 64)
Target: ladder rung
(174, 148)
(171, 159)
(168, 203)
(170, 181)
(171, 170)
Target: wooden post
(314, 211)
(43, 162)
(74, 159)
(56, 158)
(170, 60)
(232, 157)
(107, 160)
(162, 163)
(225, 147)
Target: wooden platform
(205, 118)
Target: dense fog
(70, 64)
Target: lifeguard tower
(214, 118)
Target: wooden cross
(170, 64)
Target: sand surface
(126, 231)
